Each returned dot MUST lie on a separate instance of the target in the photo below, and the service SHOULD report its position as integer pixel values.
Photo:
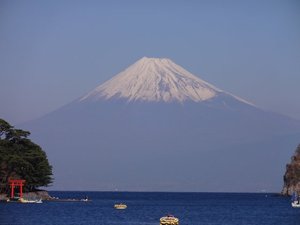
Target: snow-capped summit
(154, 79)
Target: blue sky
(52, 52)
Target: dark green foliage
(20, 158)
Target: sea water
(147, 208)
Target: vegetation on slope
(292, 174)
(20, 158)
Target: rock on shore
(44, 195)
(292, 175)
(40, 194)
(3, 197)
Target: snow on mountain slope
(155, 79)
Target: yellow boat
(169, 220)
(120, 206)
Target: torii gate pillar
(16, 183)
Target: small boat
(39, 201)
(169, 220)
(22, 200)
(85, 199)
(296, 204)
(120, 206)
(295, 200)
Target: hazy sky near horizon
(52, 52)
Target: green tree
(20, 158)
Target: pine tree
(20, 158)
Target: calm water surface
(147, 208)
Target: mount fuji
(157, 127)
(155, 80)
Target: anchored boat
(169, 220)
(295, 200)
(120, 206)
(22, 200)
(296, 204)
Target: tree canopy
(20, 158)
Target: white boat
(22, 200)
(120, 206)
(85, 199)
(39, 201)
(295, 200)
(296, 204)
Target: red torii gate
(16, 183)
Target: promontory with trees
(20, 158)
(292, 175)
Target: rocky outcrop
(44, 195)
(3, 197)
(292, 175)
(39, 194)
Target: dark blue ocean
(147, 208)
